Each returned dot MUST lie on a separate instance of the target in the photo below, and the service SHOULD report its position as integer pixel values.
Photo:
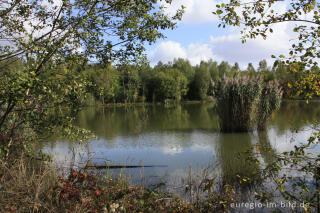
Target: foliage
(104, 83)
(185, 67)
(171, 84)
(108, 31)
(283, 170)
(200, 85)
(262, 66)
(130, 83)
(308, 84)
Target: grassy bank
(30, 185)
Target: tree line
(179, 80)
(173, 81)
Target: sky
(197, 37)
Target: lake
(171, 139)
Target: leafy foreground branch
(295, 176)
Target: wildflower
(105, 210)
(113, 207)
(97, 192)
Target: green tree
(130, 83)
(263, 66)
(185, 67)
(48, 37)
(105, 83)
(250, 68)
(214, 70)
(202, 79)
(235, 69)
(170, 84)
(224, 68)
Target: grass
(236, 100)
(270, 101)
(29, 185)
(244, 103)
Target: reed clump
(270, 100)
(245, 102)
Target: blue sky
(198, 37)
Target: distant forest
(171, 82)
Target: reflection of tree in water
(295, 115)
(233, 151)
(111, 122)
(203, 117)
(169, 118)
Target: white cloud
(230, 48)
(196, 11)
(199, 52)
(170, 50)
(167, 51)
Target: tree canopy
(64, 29)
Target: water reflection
(181, 136)
(111, 122)
(265, 148)
(232, 151)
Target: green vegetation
(177, 81)
(243, 102)
(236, 101)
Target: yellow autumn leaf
(258, 149)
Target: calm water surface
(173, 138)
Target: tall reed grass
(270, 100)
(245, 102)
